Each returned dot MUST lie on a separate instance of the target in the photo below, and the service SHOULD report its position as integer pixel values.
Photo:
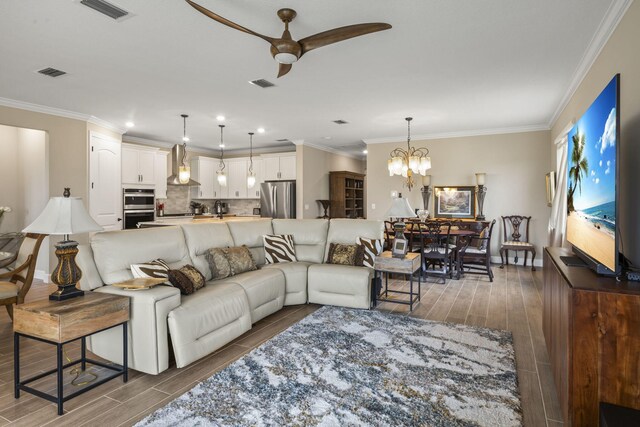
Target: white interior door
(105, 189)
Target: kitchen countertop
(164, 221)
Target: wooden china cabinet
(346, 193)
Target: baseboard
(537, 263)
(42, 275)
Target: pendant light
(222, 176)
(409, 162)
(251, 177)
(184, 171)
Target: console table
(591, 327)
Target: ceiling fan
(285, 50)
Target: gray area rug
(341, 367)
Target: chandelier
(409, 162)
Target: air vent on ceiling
(52, 72)
(340, 122)
(262, 83)
(282, 140)
(105, 8)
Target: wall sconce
(480, 193)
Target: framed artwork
(550, 179)
(455, 202)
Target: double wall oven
(139, 205)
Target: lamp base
(66, 292)
(400, 242)
(67, 273)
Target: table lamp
(400, 208)
(63, 216)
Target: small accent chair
(11, 292)
(515, 240)
(475, 252)
(435, 249)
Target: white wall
(9, 194)
(515, 165)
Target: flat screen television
(592, 182)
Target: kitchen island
(167, 221)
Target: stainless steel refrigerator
(278, 199)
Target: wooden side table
(61, 322)
(386, 263)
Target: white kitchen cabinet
(138, 164)
(203, 170)
(280, 167)
(288, 167)
(237, 178)
(160, 174)
(258, 170)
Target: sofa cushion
(348, 230)
(278, 248)
(202, 237)
(295, 280)
(250, 233)
(309, 236)
(341, 285)
(219, 266)
(240, 259)
(115, 251)
(207, 320)
(265, 291)
(345, 254)
(186, 278)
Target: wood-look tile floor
(512, 302)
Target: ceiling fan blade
(226, 22)
(339, 34)
(284, 69)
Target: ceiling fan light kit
(287, 51)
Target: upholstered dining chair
(435, 249)
(516, 236)
(15, 284)
(474, 255)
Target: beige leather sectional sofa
(199, 324)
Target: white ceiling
(455, 66)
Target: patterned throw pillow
(187, 278)
(372, 248)
(345, 254)
(239, 259)
(156, 269)
(218, 263)
(279, 248)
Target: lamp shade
(400, 208)
(62, 216)
(480, 178)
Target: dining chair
(15, 284)
(474, 256)
(516, 235)
(435, 249)
(389, 235)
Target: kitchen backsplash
(179, 198)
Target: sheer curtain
(558, 218)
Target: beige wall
(619, 55)
(515, 165)
(9, 191)
(67, 141)
(314, 166)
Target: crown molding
(37, 108)
(462, 134)
(332, 150)
(606, 28)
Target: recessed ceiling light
(326, 137)
(220, 118)
(185, 138)
(365, 151)
(260, 130)
(129, 124)
(221, 145)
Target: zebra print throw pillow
(279, 248)
(156, 269)
(372, 248)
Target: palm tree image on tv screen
(591, 179)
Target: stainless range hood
(178, 153)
